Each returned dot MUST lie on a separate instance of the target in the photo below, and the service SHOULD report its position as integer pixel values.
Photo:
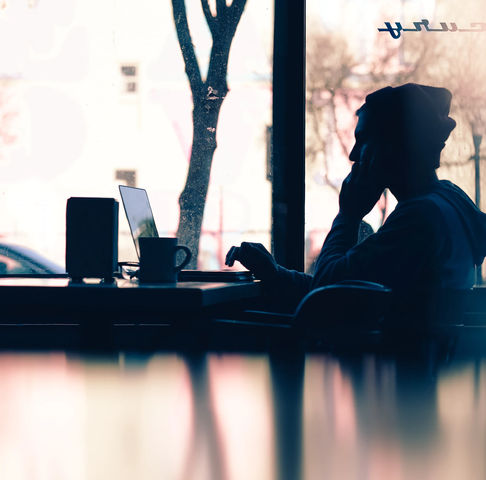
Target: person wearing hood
(435, 236)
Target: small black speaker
(91, 237)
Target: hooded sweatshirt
(428, 242)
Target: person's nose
(354, 154)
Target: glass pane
(347, 58)
(94, 94)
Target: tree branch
(235, 12)
(335, 125)
(221, 8)
(211, 21)
(187, 47)
(315, 123)
(218, 63)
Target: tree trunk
(193, 198)
(207, 99)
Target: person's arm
(286, 286)
(401, 252)
(359, 193)
(293, 283)
(341, 238)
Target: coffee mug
(158, 259)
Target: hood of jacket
(473, 219)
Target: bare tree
(329, 65)
(208, 95)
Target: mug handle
(186, 260)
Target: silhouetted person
(434, 237)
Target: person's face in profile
(367, 148)
(361, 139)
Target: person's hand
(256, 258)
(362, 188)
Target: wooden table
(122, 300)
(194, 314)
(53, 313)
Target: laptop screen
(139, 213)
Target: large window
(94, 94)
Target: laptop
(142, 224)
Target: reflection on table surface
(216, 417)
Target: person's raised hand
(256, 258)
(362, 188)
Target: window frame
(288, 112)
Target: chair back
(347, 307)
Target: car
(19, 260)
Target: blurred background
(232, 416)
